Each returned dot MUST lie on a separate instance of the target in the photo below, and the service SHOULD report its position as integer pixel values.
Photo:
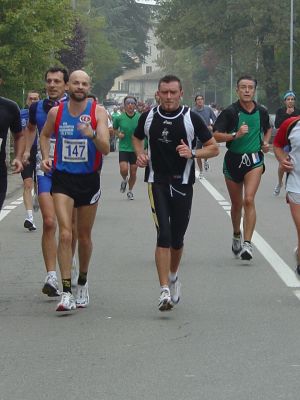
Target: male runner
(289, 110)
(124, 126)
(209, 117)
(245, 127)
(9, 119)
(29, 171)
(171, 130)
(81, 131)
(56, 79)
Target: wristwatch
(193, 151)
(233, 134)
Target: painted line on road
(10, 207)
(280, 267)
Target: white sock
(29, 215)
(52, 274)
(163, 288)
(173, 276)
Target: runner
(245, 127)
(29, 171)
(56, 79)
(171, 130)
(9, 119)
(283, 113)
(81, 131)
(124, 126)
(288, 136)
(209, 117)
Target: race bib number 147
(75, 150)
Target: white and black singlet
(170, 177)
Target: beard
(78, 97)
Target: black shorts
(171, 208)
(127, 156)
(236, 166)
(84, 189)
(28, 171)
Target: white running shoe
(130, 196)
(236, 245)
(277, 190)
(175, 290)
(206, 165)
(123, 185)
(201, 175)
(67, 302)
(165, 301)
(50, 287)
(28, 224)
(82, 296)
(246, 252)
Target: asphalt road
(234, 336)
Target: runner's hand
(287, 164)
(184, 150)
(17, 166)
(46, 165)
(142, 160)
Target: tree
(250, 32)
(32, 32)
(73, 56)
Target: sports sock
(52, 274)
(29, 215)
(66, 284)
(173, 277)
(164, 287)
(82, 278)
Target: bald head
(79, 85)
(79, 74)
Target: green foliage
(255, 33)
(32, 32)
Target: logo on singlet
(85, 119)
(166, 122)
(164, 137)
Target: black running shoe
(29, 225)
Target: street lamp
(291, 44)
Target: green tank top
(251, 141)
(126, 125)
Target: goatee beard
(78, 100)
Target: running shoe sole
(29, 225)
(165, 305)
(50, 291)
(60, 308)
(245, 256)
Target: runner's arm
(45, 136)
(19, 146)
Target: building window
(148, 70)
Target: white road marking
(280, 267)
(9, 207)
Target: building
(139, 81)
